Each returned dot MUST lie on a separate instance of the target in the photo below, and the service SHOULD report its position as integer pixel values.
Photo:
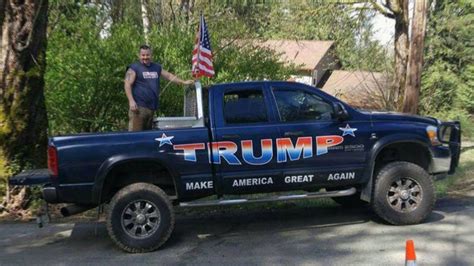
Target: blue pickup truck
(288, 140)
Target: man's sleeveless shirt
(146, 88)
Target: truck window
(245, 106)
(299, 105)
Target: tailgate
(30, 178)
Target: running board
(325, 194)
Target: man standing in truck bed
(142, 86)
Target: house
(360, 89)
(318, 65)
(312, 58)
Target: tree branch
(381, 9)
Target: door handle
(231, 136)
(294, 133)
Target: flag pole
(196, 65)
(197, 84)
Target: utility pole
(415, 58)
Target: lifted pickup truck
(250, 137)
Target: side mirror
(340, 112)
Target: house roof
(361, 89)
(306, 54)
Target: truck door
(315, 148)
(244, 139)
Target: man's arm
(130, 76)
(173, 78)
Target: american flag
(202, 54)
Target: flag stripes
(202, 55)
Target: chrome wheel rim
(404, 195)
(140, 219)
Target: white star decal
(165, 140)
(348, 130)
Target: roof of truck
(256, 82)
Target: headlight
(432, 133)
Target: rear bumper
(50, 194)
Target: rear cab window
(245, 106)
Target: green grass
(463, 178)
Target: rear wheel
(404, 193)
(140, 218)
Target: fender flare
(377, 147)
(117, 160)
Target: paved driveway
(285, 235)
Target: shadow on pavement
(256, 236)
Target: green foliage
(84, 87)
(350, 29)
(447, 82)
(86, 65)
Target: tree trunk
(155, 8)
(398, 10)
(415, 62)
(401, 44)
(23, 120)
(116, 12)
(186, 8)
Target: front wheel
(404, 193)
(140, 218)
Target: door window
(299, 105)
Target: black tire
(140, 218)
(352, 201)
(403, 194)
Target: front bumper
(440, 165)
(455, 146)
(446, 157)
(450, 133)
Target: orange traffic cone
(410, 258)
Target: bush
(447, 90)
